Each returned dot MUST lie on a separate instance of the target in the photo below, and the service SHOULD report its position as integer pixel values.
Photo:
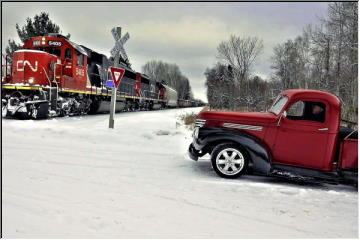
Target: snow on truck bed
(74, 177)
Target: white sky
(183, 33)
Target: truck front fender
(260, 158)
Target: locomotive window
(55, 51)
(68, 54)
(80, 59)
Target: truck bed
(348, 154)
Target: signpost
(117, 73)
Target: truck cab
(300, 135)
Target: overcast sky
(183, 33)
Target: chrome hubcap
(230, 161)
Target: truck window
(296, 110)
(307, 110)
(315, 111)
(278, 105)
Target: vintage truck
(300, 135)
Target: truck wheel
(229, 160)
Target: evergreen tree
(40, 25)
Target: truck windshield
(278, 104)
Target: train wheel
(34, 112)
(38, 111)
(133, 107)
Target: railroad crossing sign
(119, 42)
(117, 74)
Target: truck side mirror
(283, 115)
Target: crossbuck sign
(117, 72)
(119, 42)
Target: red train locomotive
(53, 76)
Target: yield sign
(117, 74)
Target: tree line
(324, 57)
(171, 75)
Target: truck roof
(299, 93)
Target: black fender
(209, 137)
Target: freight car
(186, 103)
(53, 76)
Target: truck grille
(199, 122)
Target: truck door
(303, 135)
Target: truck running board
(305, 172)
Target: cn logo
(20, 65)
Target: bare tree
(171, 75)
(324, 57)
(240, 53)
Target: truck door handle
(323, 129)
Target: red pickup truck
(300, 135)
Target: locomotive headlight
(31, 80)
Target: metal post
(112, 107)
(113, 96)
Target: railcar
(171, 97)
(186, 103)
(53, 76)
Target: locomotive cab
(68, 60)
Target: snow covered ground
(74, 177)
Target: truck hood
(262, 118)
